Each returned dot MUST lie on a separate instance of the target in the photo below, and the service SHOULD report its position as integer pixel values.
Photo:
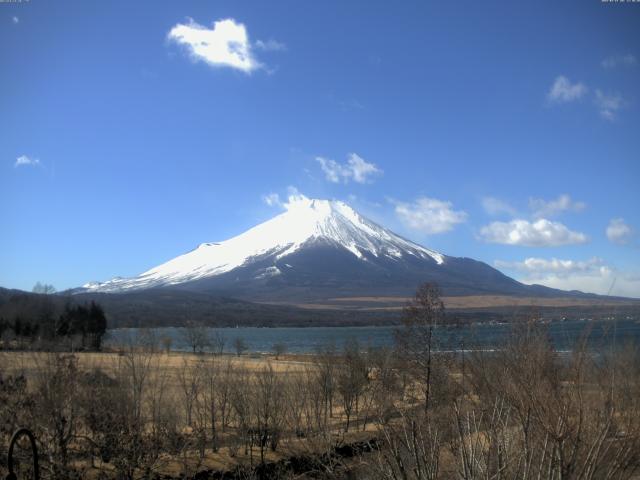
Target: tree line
(44, 320)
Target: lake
(307, 340)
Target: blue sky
(501, 131)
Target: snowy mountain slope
(316, 250)
(306, 222)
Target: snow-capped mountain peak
(305, 222)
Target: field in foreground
(521, 412)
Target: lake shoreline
(308, 340)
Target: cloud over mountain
(592, 275)
(356, 168)
(537, 266)
(539, 233)
(429, 215)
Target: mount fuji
(318, 250)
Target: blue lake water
(601, 334)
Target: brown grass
(470, 301)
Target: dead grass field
(476, 412)
(166, 368)
(27, 362)
(389, 303)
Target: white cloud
(225, 45)
(495, 206)
(593, 275)
(563, 90)
(541, 233)
(24, 160)
(562, 268)
(361, 169)
(272, 200)
(542, 208)
(627, 60)
(356, 169)
(607, 282)
(295, 199)
(619, 232)
(608, 104)
(271, 45)
(429, 215)
(15, 20)
(333, 171)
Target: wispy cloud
(608, 104)
(24, 160)
(226, 44)
(356, 168)
(292, 199)
(618, 231)
(593, 275)
(563, 91)
(550, 208)
(495, 206)
(563, 268)
(272, 200)
(539, 208)
(540, 233)
(627, 60)
(271, 45)
(429, 215)
(15, 20)
(295, 199)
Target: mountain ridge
(319, 249)
(304, 223)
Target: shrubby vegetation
(413, 412)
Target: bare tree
(352, 379)
(297, 398)
(57, 411)
(135, 370)
(196, 336)
(213, 383)
(44, 288)
(314, 411)
(269, 395)
(166, 341)
(411, 448)
(218, 342)
(189, 380)
(325, 360)
(387, 383)
(226, 379)
(47, 317)
(241, 402)
(239, 345)
(279, 349)
(416, 339)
